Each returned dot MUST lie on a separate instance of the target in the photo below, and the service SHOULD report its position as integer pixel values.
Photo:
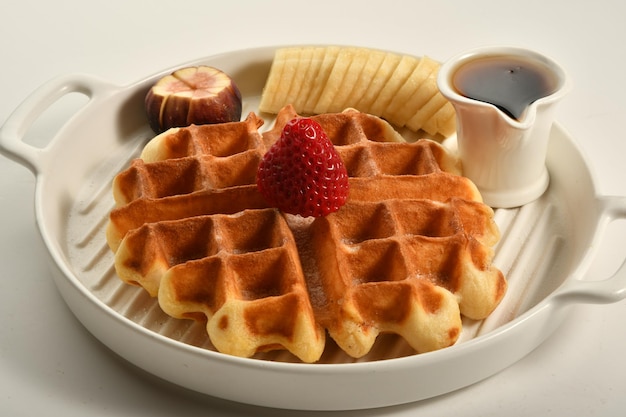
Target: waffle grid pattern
(204, 242)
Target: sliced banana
(335, 81)
(427, 110)
(350, 80)
(273, 80)
(291, 62)
(379, 81)
(365, 81)
(416, 92)
(403, 71)
(299, 74)
(399, 88)
(317, 57)
(443, 122)
(319, 82)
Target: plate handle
(609, 290)
(12, 133)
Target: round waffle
(409, 253)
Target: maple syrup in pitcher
(510, 83)
(504, 99)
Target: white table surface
(50, 364)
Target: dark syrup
(509, 83)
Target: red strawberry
(302, 172)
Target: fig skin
(193, 95)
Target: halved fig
(193, 95)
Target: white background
(49, 364)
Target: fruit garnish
(193, 95)
(401, 89)
(302, 172)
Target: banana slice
(379, 81)
(291, 66)
(350, 80)
(320, 80)
(317, 57)
(298, 76)
(443, 122)
(415, 93)
(335, 81)
(402, 72)
(273, 83)
(365, 82)
(427, 110)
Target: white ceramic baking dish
(545, 250)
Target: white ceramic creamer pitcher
(503, 149)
